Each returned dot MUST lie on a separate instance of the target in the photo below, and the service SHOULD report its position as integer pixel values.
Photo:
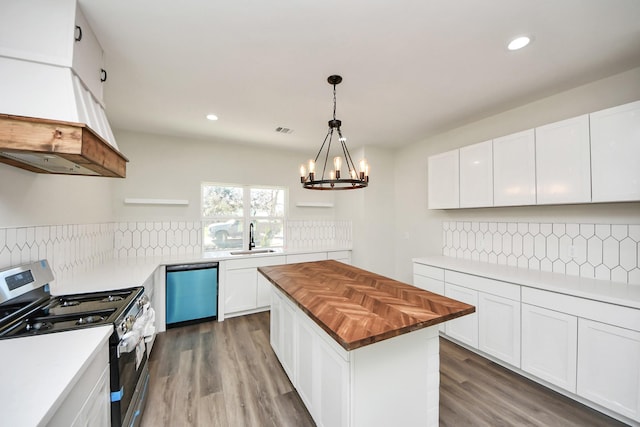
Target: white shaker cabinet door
(476, 175)
(514, 169)
(615, 153)
(499, 327)
(563, 168)
(609, 367)
(465, 328)
(240, 290)
(432, 285)
(444, 180)
(549, 345)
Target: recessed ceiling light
(212, 117)
(519, 43)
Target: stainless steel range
(27, 308)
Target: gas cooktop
(73, 311)
(27, 308)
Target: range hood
(51, 123)
(50, 146)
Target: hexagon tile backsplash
(600, 251)
(73, 248)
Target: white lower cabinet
(463, 329)
(356, 388)
(240, 291)
(88, 403)
(549, 345)
(310, 257)
(342, 256)
(288, 343)
(314, 366)
(609, 367)
(499, 327)
(243, 292)
(430, 279)
(96, 411)
(305, 368)
(589, 348)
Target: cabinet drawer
(249, 262)
(611, 314)
(482, 284)
(339, 255)
(318, 256)
(429, 284)
(429, 271)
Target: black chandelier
(334, 181)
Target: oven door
(128, 370)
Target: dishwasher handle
(189, 267)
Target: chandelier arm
(347, 156)
(326, 156)
(323, 143)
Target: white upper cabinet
(476, 175)
(38, 30)
(53, 32)
(615, 153)
(514, 169)
(444, 180)
(563, 169)
(88, 60)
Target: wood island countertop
(357, 307)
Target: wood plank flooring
(225, 374)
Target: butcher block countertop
(357, 307)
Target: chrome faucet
(252, 243)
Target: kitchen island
(361, 349)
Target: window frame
(246, 218)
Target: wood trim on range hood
(48, 140)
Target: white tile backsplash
(73, 248)
(601, 251)
(68, 248)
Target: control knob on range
(143, 300)
(127, 323)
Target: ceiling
(411, 68)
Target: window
(229, 209)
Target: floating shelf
(314, 204)
(155, 202)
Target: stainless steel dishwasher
(192, 293)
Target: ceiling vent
(280, 129)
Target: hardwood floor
(221, 374)
(477, 392)
(225, 374)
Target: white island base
(386, 383)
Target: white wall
(419, 230)
(31, 199)
(165, 167)
(372, 214)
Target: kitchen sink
(254, 251)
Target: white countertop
(129, 272)
(39, 372)
(599, 290)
